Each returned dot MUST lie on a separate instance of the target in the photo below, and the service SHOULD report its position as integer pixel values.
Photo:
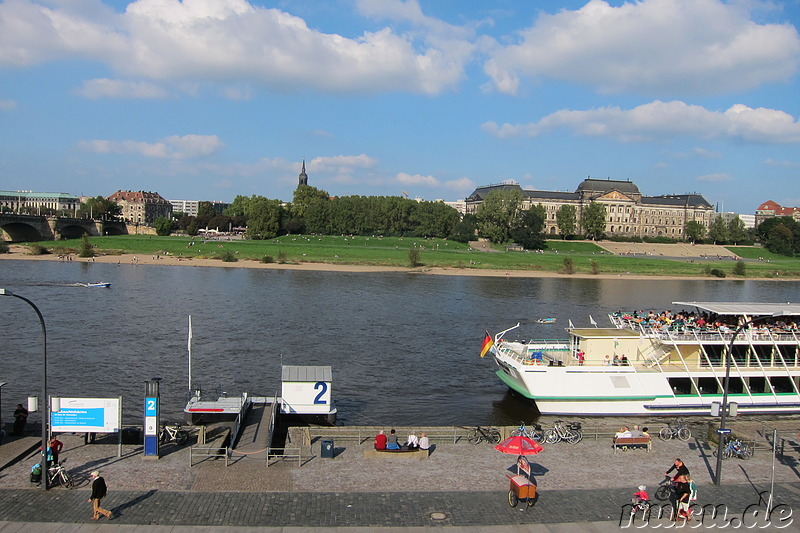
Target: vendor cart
(521, 486)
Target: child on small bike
(640, 500)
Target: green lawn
(393, 251)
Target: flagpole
(190, 354)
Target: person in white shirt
(424, 443)
(412, 443)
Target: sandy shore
(20, 252)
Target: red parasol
(519, 446)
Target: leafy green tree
(163, 226)
(718, 231)
(466, 230)
(238, 207)
(206, 209)
(528, 232)
(414, 259)
(498, 214)
(593, 220)
(99, 208)
(304, 196)
(193, 228)
(263, 218)
(694, 231)
(736, 230)
(740, 269)
(567, 220)
(86, 250)
(433, 219)
(779, 240)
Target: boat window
(736, 385)
(708, 386)
(620, 382)
(715, 355)
(781, 384)
(680, 386)
(758, 384)
(763, 353)
(789, 353)
(740, 354)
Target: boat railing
(537, 352)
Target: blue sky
(209, 99)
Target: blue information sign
(150, 406)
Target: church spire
(303, 178)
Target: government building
(628, 212)
(141, 207)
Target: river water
(403, 347)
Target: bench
(632, 442)
(413, 455)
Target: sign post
(152, 409)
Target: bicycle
(735, 447)
(481, 433)
(535, 433)
(57, 474)
(173, 433)
(569, 432)
(665, 490)
(679, 431)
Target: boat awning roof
(749, 309)
(305, 373)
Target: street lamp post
(726, 385)
(45, 408)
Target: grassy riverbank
(586, 257)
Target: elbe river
(403, 347)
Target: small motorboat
(549, 320)
(99, 284)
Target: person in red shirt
(55, 448)
(380, 441)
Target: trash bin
(131, 435)
(327, 449)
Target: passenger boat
(668, 363)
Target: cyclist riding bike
(680, 470)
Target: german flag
(487, 344)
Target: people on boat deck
(581, 357)
(391, 441)
(380, 441)
(624, 360)
(412, 443)
(608, 360)
(424, 442)
(616, 360)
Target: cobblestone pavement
(380, 509)
(585, 483)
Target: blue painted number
(324, 388)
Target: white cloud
(652, 47)
(106, 88)
(460, 184)
(416, 179)
(173, 147)
(781, 163)
(230, 41)
(340, 164)
(714, 178)
(663, 120)
(7, 105)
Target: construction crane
(405, 194)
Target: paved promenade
(460, 486)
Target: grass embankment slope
(587, 258)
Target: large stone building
(770, 209)
(141, 207)
(39, 203)
(628, 212)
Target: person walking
(20, 419)
(99, 491)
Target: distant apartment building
(187, 207)
(39, 203)
(770, 209)
(192, 207)
(141, 207)
(749, 221)
(628, 212)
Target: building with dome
(628, 212)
